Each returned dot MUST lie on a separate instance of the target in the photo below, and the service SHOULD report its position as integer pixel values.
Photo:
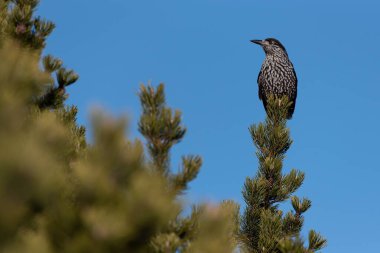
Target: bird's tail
(291, 109)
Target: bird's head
(271, 46)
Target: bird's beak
(259, 42)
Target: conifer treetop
(264, 227)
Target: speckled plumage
(277, 76)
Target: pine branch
(162, 128)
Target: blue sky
(200, 49)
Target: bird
(277, 76)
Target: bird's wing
(296, 81)
(294, 98)
(260, 83)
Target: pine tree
(62, 195)
(162, 128)
(264, 227)
(20, 26)
(109, 199)
(102, 204)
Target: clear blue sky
(200, 49)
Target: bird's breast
(277, 77)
